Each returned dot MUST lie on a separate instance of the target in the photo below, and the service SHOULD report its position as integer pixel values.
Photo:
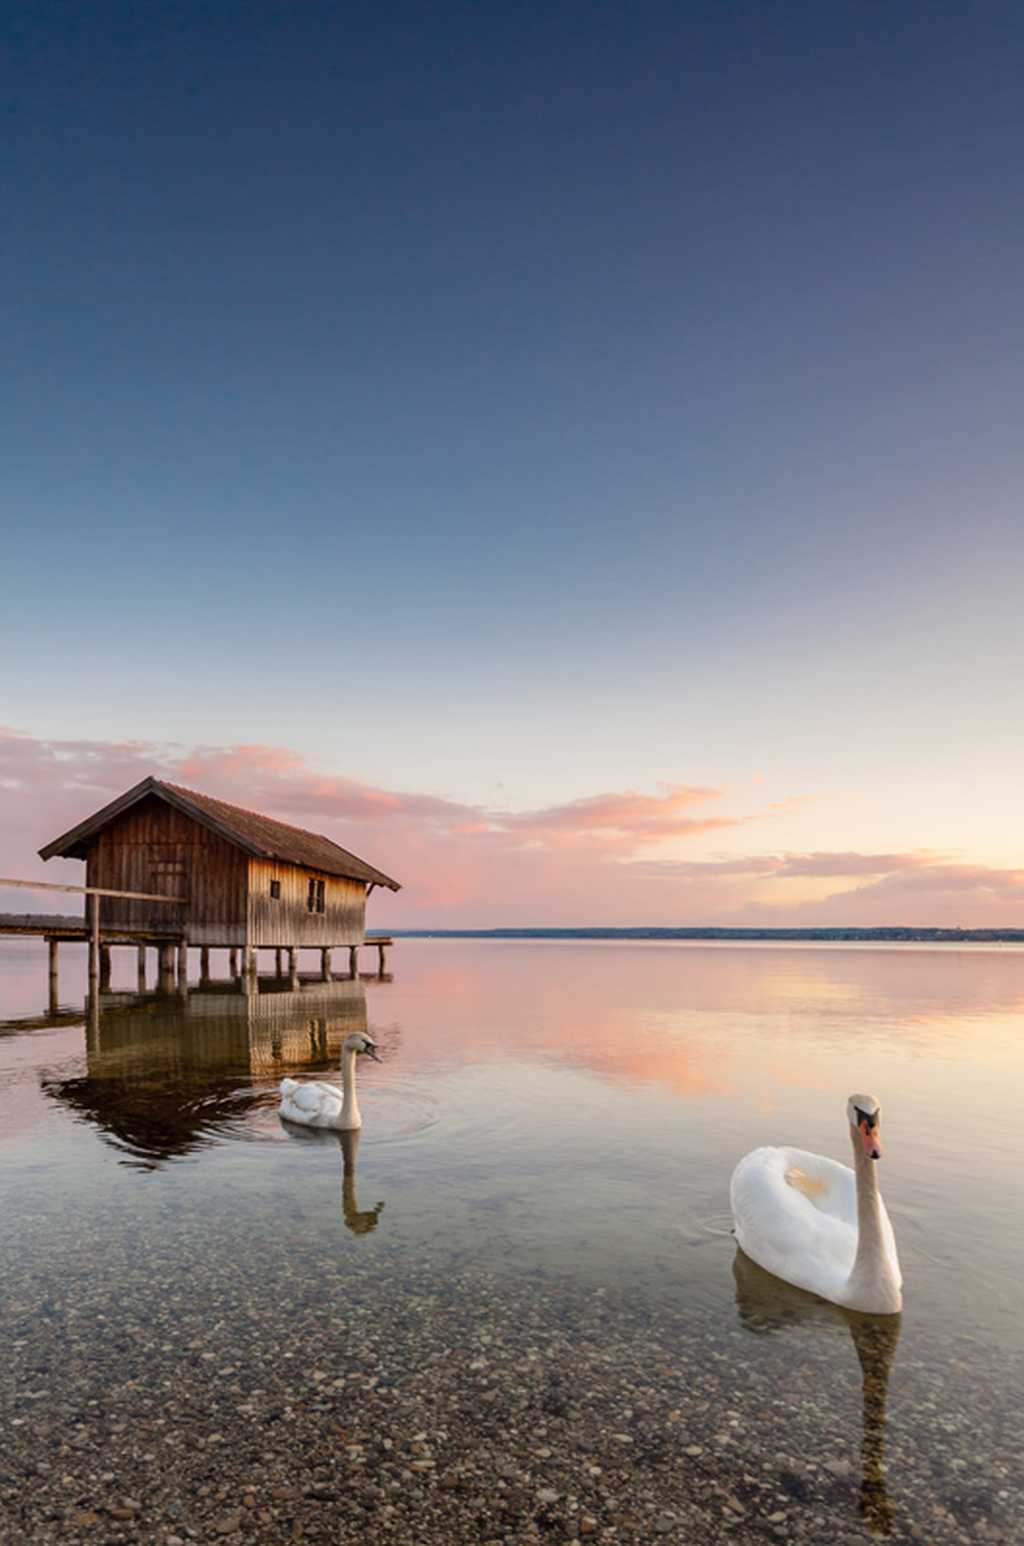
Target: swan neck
(871, 1268)
(350, 1105)
(869, 1199)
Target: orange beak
(869, 1137)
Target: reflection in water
(359, 1220)
(165, 1076)
(766, 1304)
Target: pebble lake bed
(511, 1310)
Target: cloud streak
(608, 858)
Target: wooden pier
(171, 946)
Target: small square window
(275, 890)
(311, 896)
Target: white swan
(819, 1224)
(318, 1104)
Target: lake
(511, 1309)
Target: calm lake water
(562, 1118)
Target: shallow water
(561, 1119)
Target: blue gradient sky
(514, 404)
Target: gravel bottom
(154, 1398)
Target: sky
(570, 454)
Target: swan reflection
(766, 1304)
(359, 1220)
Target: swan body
(819, 1224)
(316, 1103)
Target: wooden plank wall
(287, 920)
(154, 847)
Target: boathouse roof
(258, 835)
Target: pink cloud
(592, 860)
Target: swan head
(865, 1114)
(360, 1043)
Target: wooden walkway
(65, 929)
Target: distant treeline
(894, 933)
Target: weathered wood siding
(154, 847)
(286, 920)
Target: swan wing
(312, 1101)
(796, 1216)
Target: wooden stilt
(251, 975)
(204, 963)
(325, 965)
(293, 967)
(233, 965)
(54, 976)
(278, 961)
(94, 941)
(104, 966)
(380, 960)
(141, 973)
(182, 964)
(353, 961)
(166, 959)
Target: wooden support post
(204, 963)
(54, 976)
(104, 966)
(353, 961)
(233, 965)
(325, 964)
(293, 967)
(94, 941)
(251, 975)
(166, 958)
(278, 961)
(182, 964)
(380, 960)
(141, 975)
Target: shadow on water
(167, 1076)
(766, 1304)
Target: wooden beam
(132, 896)
(142, 968)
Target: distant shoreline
(894, 934)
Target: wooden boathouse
(241, 881)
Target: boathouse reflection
(166, 1075)
(766, 1304)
